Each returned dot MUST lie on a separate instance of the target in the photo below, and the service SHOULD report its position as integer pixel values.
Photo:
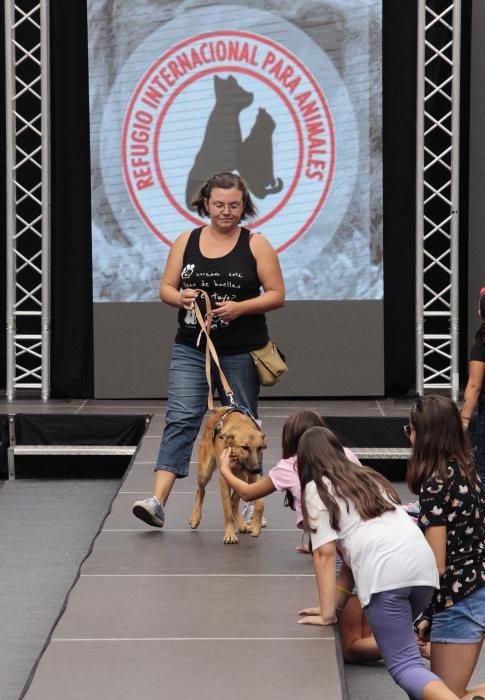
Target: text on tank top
(232, 277)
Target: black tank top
(232, 277)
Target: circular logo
(235, 101)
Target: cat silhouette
(222, 138)
(256, 157)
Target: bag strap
(210, 350)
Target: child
(358, 510)
(284, 475)
(443, 472)
(358, 645)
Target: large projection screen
(289, 96)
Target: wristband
(466, 418)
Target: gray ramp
(46, 530)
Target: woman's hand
(227, 310)
(187, 298)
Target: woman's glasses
(407, 430)
(221, 207)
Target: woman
(357, 511)
(443, 472)
(473, 409)
(232, 265)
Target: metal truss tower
(28, 197)
(437, 195)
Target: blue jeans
(463, 623)
(477, 434)
(187, 400)
(390, 615)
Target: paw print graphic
(187, 271)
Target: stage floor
(177, 612)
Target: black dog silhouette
(256, 157)
(222, 140)
(222, 148)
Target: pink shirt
(285, 476)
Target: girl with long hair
(284, 475)
(358, 645)
(443, 472)
(357, 511)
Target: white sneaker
(150, 511)
(247, 513)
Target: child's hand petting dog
(225, 460)
(228, 461)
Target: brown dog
(230, 428)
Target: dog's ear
(228, 439)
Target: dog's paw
(245, 527)
(255, 531)
(230, 537)
(194, 521)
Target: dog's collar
(223, 416)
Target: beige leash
(210, 351)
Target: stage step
(128, 450)
(71, 450)
(382, 452)
(53, 435)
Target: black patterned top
(460, 506)
(232, 277)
